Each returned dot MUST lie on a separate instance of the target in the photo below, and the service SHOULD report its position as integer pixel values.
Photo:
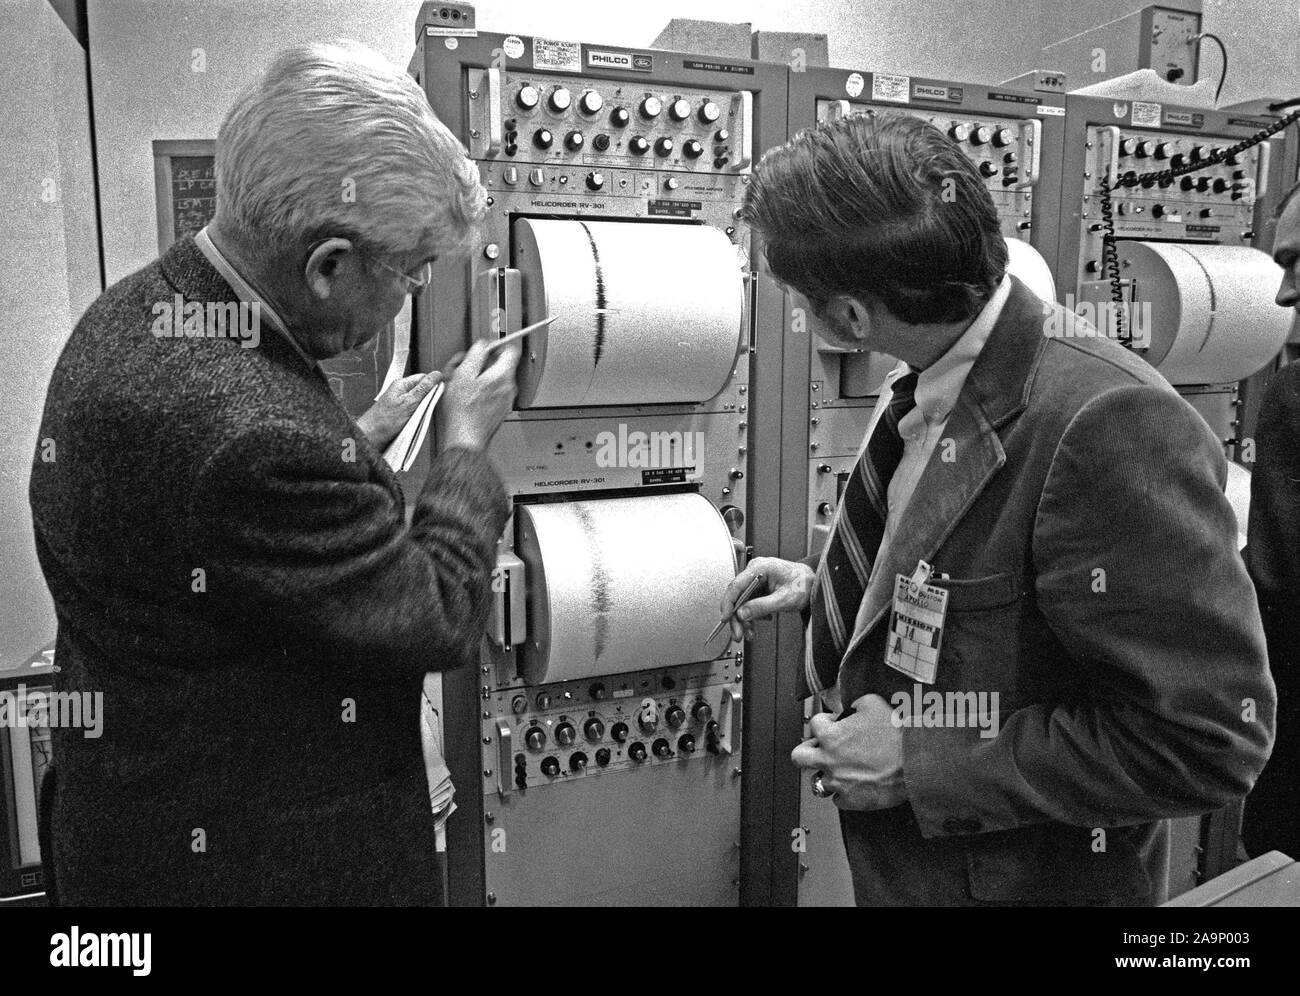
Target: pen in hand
(745, 596)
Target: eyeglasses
(423, 273)
(412, 283)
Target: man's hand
(860, 757)
(383, 420)
(479, 397)
(787, 587)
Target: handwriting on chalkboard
(194, 194)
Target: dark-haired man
(1272, 817)
(1031, 603)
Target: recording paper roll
(1025, 262)
(1208, 310)
(649, 313)
(622, 584)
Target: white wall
(49, 272)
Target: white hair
(335, 141)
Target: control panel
(552, 734)
(548, 118)
(1215, 204)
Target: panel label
(854, 84)
(1145, 115)
(887, 86)
(1056, 112)
(673, 209)
(552, 55)
(1014, 98)
(718, 67)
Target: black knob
(637, 752)
(1157, 210)
(560, 99)
(702, 713)
(577, 761)
(668, 682)
(826, 509)
(600, 143)
(650, 108)
(679, 109)
(692, 148)
(709, 112)
(1003, 136)
(982, 135)
(1239, 174)
(1093, 266)
(602, 756)
(1165, 182)
(1187, 183)
(1200, 152)
(1177, 160)
(1128, 146)
(686, 743)
(535, 738)
(1148, 181)
(597, 691)
(960, 132)
(987, 168)
(573, 141)
(1203, 184)
(619, 117)
(593, 729)
(527, 97)
(1010, 158)
(1220, 185)
(638, 146)
(721, 135)
(590, 102)
(550, 767)
(1143, 150)
(1206, 213)
(595, 180)
(565, 734)
(619, 732)
(662, 748)
(1161, 150)
(675, 716)
(664, 146)
(542, 138)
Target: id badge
(916, 625)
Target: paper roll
(1024, 262)
(622, 584)
(1206, 311)
(649, 313)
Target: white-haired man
(229, 556)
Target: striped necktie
(844, 571)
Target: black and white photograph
(649, 457)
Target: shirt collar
(246, 291)
(939, 384)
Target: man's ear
(322, 267)
(849, 316)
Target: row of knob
(560, 99)
(977, 135)
(596, 690)
(1143, 148)
(578, 761)
(638, 145)
(594, 729)
(1201, 184)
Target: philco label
(933, 91)
(607, 59)
(1184, 119)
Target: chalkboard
(194, 194)
(186, 190)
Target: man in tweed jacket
(229, 555)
